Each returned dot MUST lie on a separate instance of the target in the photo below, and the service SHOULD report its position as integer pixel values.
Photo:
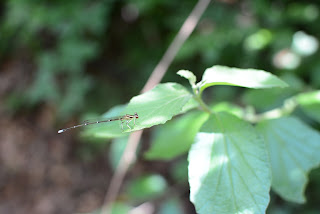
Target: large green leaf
(191, 104)
(229, 169)
(294, 151)
(106, 130)
(175, 137)
(310, 104)
(153, 107)
(250, 78)
(158, 105)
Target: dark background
(62, 61)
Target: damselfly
(128, 118)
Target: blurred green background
(62, 61)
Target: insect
(125, 118)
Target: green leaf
(294, 151)
(228, 107)
(106, 130)
(191, 104)
(153, 107)
(158, 105)
(310, 104)
(117, 208)
(146, 187)
(179, 171)
(188, 75)
(266, 99)
(117, 147)
(250, 78)
(229, 168)
(176, 136)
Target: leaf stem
(197, 97)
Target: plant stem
(197, 97)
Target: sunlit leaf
(250, 78)
(191, 104)
(158, 105)
(229, 168)
(153, 107)
(106, 130)
(294, 151)
(188, 75)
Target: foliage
(231, 162)
(293, 153)
(63, 40)
(87, 57)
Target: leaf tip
(188, 75)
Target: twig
(126, 160)
(129, 154)
(184, 32)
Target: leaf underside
(229, 168)
(176, 136)
(294, 151)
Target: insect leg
(128, 121)
(122, 125)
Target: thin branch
(184, 32)
(128, 157)
(129, 154)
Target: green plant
(63, 40)
(231, 162)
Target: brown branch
(129, 154)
